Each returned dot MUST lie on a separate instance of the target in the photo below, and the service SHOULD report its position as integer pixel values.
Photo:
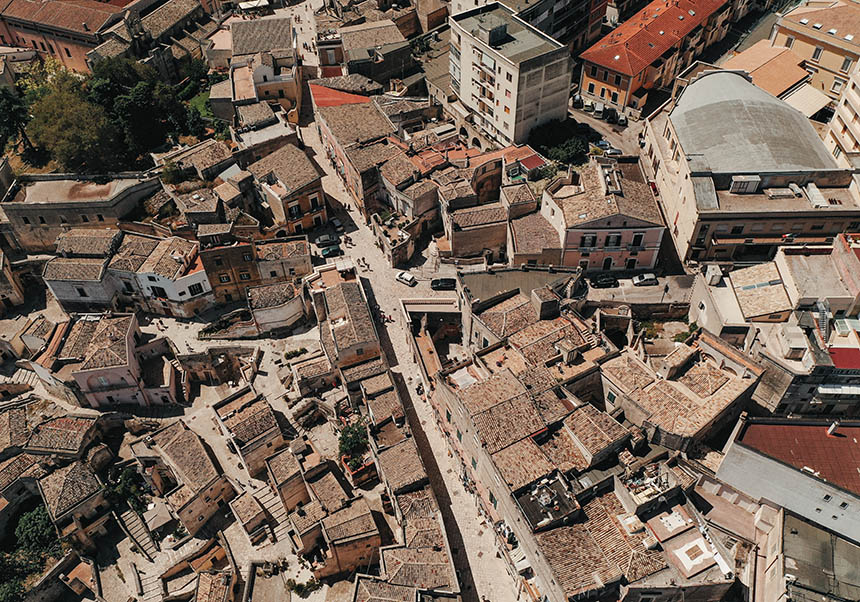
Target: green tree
(353, 440)
(11, 590)
(46, 76)
(14, 110)
(128, 488)
(559, 141)
(76, 132)
(36, 535)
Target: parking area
(669, 289)
(625, 138)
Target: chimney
(85, 26)
(831, 430)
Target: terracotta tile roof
(203, 155)
(385, 406)
(162, 259)
(80, 16)
(283, 466)
(377, 384)
(328, 491)
(424, 568)
(255, 114)
(560, 449)
(290, 166)
(109, 346)
(351, 323)
(313, 368)
(370, 589)
(401, 465)
(67, 487)
(133, 251)
(246, 507)
(373, 155)
(364, 370)
(482, 215)
(760, 290)
(508, 422)
(485, 394)
(579, 564)
(79, 242)
(307, 517)
(77, 340)
(250, 421)
(595, 430)
(19, 466)
(271, 295)
(354, 520)
(398, 169)
(628, 373)
(533, 233)
(14, 431)
(213, 586)
(273, 250)
(258, 35)
(644, 37)
(189, 460)
(356, 123)
(509, 316)
(537, 342)
(844, 17)
(522, 463)
(65, 434)
(774, 69)
(370, 35)
(591, 200)
(75, 269)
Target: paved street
(680, 288)
(473, 543)
(625, 138)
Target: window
(100, 217)
(219, 261)
(789, 42)
(459, 436)
(827, 497)
(273, 274)
(447, 414)
(224, 278)
(26, 220)
(843, 505)
(359, 351)
(614, 98)
(593, 71)
(591, 87)
(493, 500)
(817, 227)
(68, 54)
(103, 381)
(159, 292)
(617, 80)
(127, 286)
(837, 86)
(41, 220)
(244, 276)
(509, 77)
(507, 93)
(508, 110)
(247, 257)
(837, 152)
(474, 464)
(195, 289)
(611, 397)
(265, 78)
(602, 92)
(737, 229)
(84, 218)
(315, 201)
(152, 278)
(846, 65)
(81, 292)
(816, 54)
(63, 220)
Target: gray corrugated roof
(738, 128)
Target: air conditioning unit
(745, 184)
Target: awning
(251, 4)
(807, 100)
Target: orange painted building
(650, 49)
(63, 29)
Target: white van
(598, 110)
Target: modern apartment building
(574, 23)
(740, 173)
(650, 49)
(843, 135)
(508, 76)
(823, 36)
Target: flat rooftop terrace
(70, 191)
(522, 41)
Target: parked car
(326, 240)
(622, 120)
(337, 224)
(406, 278)
(603, 145)
(613, 152)
(604, 281)
(599, 108)
(653, 186)
(332, 251)
(611, 115)
(645, 280)
(443, 284)
(588, 107)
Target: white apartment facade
(508, 76)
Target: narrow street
(482, 572)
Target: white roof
(807, 99)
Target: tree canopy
(559, 141)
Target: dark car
(443, 284)
(604, 281)
(611, 115)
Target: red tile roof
(846, 358)
(834, 458)
(643, 38)
(532, 162)
(82, 16)
(326, 97)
